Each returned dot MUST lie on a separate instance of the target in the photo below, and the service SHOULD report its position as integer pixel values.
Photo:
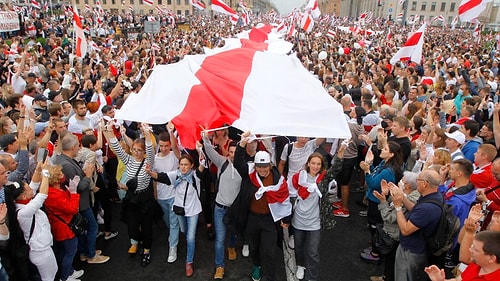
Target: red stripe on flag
(413, 40)
(468, 5)
(218, 96)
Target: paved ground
(340, 248)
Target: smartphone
(41, 155)
(340, 78)
(438, 103)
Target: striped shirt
(132, 165)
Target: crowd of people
(421, 132)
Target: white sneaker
(76, 274)
(172, 255)
(245, 251)
(291, 242)
(300, 272)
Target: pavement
(340, 249)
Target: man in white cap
(453, 143)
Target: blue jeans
(220, 236)
(86, 243)
(191, 222)
(65, 253)
(171, 220)
(3, 275)
(307, 252)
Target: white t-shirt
(298, 157)
(18, 84)
(76, 126)
(165, 164)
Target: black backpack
(446, 231)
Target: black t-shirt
(405, 144)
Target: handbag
(382, 241)
(178, 210)
(133, 182)
(78, 224)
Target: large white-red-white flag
(454, 22)
(81, 42)
(198, 4)
(313, 7)
(471, 9)
(412, 49)
(251, 90)
(222, 7)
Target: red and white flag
(46, 7)
(471, 9)
(35, 4)
(131, 8)
(291, 30)
(399, 17)
(412, 49)
(223, 8)
(198, 4)
(281, 28)
(93, 45)
(234, 19)
(477, 33)
(245, 16)
(81, 42)
(389, 34)
(151, 18)
(331, 33)
(307, 23)
(230, 87)
(401, 2)
(313, 7)
(87, 8)
(155, 47)
(454, 22)
(148, 2)
(362, 16)
(160, 10)
(277, 196)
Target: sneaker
(334, 199)
(172, 254)
(377, 278)
(368, 257)
(219, 273)
(98, 259)
(341, 212)
(189, 269)
(133, 249)
(111, 235)
(231, 254)
(146, 259)
(300, 272)
(76, 274)
(99, 234)
(84, 257)
(337, 205)
(256, 273)
(363, 213)
(245, 251)
(291, 242)
(367, 250)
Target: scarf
(305, 188)
(183, 177)
(277, 195)
(23, 201)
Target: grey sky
(286, 6)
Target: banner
(9, 21)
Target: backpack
(289, 151)
(446, 231)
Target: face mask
(460, 92)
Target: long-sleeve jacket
(65, 205)
(70, 169)
(22, 166)
(389, 215)
(379, 173)
(41, 239)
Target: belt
(221, 206)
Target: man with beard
(79, 121)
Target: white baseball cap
(262, 159)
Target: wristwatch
(46, 173)
(398, 209)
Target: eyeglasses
(419, 179)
